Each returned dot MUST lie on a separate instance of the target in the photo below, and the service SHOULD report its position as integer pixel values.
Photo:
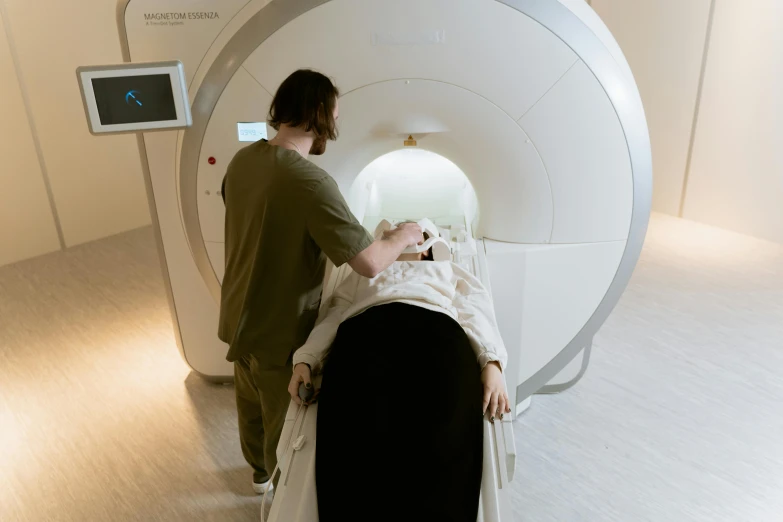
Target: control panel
(135, 97)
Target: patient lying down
(407, 358)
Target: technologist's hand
(411, 232)
(495, 396)
(301, 375)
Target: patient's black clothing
(399, 435)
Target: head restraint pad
(440, 247)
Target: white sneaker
(260, 488)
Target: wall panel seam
(697, 108)
(31, 122)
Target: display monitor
(251, 131)
(135, 97)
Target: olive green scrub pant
(262, 402)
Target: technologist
(284, 217)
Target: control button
(211, 160)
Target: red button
(212, 160)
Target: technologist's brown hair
(306, 99)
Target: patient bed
(295, 496)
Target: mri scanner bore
(532, 100)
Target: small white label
(409, 37)
(251, 131)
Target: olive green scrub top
(284, 217)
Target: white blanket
(440, 286)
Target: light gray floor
(679, 417)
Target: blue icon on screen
(133, 97)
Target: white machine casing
(531, 99)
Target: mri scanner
(514, 125)
(529, 149)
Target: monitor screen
(134, 99)
(251, 131)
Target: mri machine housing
(531, 99)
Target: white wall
(736, 177)
(663, 41)
(27, 226)
(96, 183)
(732, 79)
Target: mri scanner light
(411, 183)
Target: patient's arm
(320, 339)
(476, 315)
